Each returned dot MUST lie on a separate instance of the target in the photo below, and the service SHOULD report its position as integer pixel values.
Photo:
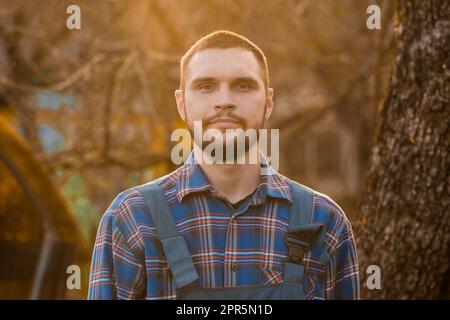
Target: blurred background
(85, 114)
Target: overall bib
(300, 237)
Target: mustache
(207, 121)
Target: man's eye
(243, 86)
(205, 86)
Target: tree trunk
(403, 224)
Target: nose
(225, 106)
(224, 101)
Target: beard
(234, 141)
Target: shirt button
(234, 267)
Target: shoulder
(123, 213)
(129, 212)
(330, 214)
(327, 212)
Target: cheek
(255, 100)
(253, 106)
(196, 108)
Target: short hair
(223, 39)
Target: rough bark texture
(404, 223)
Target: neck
(233, 181)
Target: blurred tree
(39, 236)
(404, 224)
(105, 92)
(96, 105)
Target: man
(224, 231)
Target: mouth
(224, 122)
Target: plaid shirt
(229, 246)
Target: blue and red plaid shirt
(229, 246)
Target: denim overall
(299, 239)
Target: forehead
(223, 63)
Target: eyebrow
(247, 80)
(201, 80)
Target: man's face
(224, 89)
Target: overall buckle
(297, 249)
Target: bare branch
(85, 70)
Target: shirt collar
(192, 179)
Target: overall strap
(300, 232)
(301, 210)
(174, 245)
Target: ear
(269, 103)
(180, 104)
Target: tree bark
(403, 222)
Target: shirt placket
(231, 264)
(231, 256)
(231, 260)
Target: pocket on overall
(271, 275)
